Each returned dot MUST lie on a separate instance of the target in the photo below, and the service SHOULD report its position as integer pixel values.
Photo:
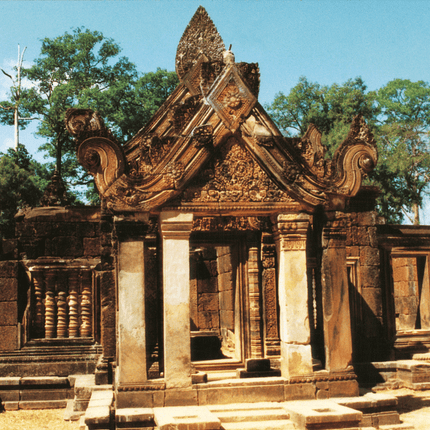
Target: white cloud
(6, 143)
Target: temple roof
(212, 136)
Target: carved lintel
(230, 223)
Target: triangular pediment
(212, 124)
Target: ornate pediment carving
(200, 37)
(233, 175)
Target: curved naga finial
(97, 149)
(200, 37)
(355, 158)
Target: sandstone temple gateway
(226, 264)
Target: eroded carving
(202, 135)
(200, 37)
(233, 176)
(230, 224)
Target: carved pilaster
(335, 294)
(86, 304)
(62, 310)
(73, 303)
(254, 303)
(268, 260)
(50, 307)
(291, 237)
(39, 307)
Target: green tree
(330, 108)
(22, 180)
(403, 132)
(82, 70)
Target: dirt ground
(414, 408)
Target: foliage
(399, 115)
(330, 108)
(403, 142)
(82, 70)
(21, 183)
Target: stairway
(255, 416)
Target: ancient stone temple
(226, 264)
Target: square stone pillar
(335, 296)
(175, 230)
(131, 354)
(291, 238)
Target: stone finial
(200, 37)
(55, 193)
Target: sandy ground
(414, 408)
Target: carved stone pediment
(212, 147)
(232, 175)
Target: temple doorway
(216, 304)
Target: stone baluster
(73, 302)
(39, 307)
(62, 304)
(254, 303)
(86, 304)
(50, 307)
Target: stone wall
(45, 237)
(366, 288)
(9, 329)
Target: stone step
(260, 425)
(402, 426)
(252, 415)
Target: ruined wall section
(365, 287)
(48, 239)
(8, 295)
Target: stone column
(335, 295)
(175, 230)
(290, 237)
(73, 303)
(131, 355)
(39, 307)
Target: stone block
(8, 289)
(9, 396)
(347, 388)
(9, 338)
(369, 256)
(134, 415)
(86, 229)
(299, 392)
(95, 416)
(370, 276)
(212, 268)
(208, 302)
(136, 399)
(180, 397)
(208, 285)
(8, 269)
(11, 406)
(9, 382)
(186, 418)
(91, 246)
(44, 381)
(208, 320)
(226, 300)
(373, 299)
(9, 249)
(8, 313)
(224, 264)
(226, 319)
(66, 246)
(44, 395)
(43, 404)
(225, 282)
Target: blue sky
(327, 40)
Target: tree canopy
(22, 182)
(82, 70)
(399, 115)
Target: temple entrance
(216, 303)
